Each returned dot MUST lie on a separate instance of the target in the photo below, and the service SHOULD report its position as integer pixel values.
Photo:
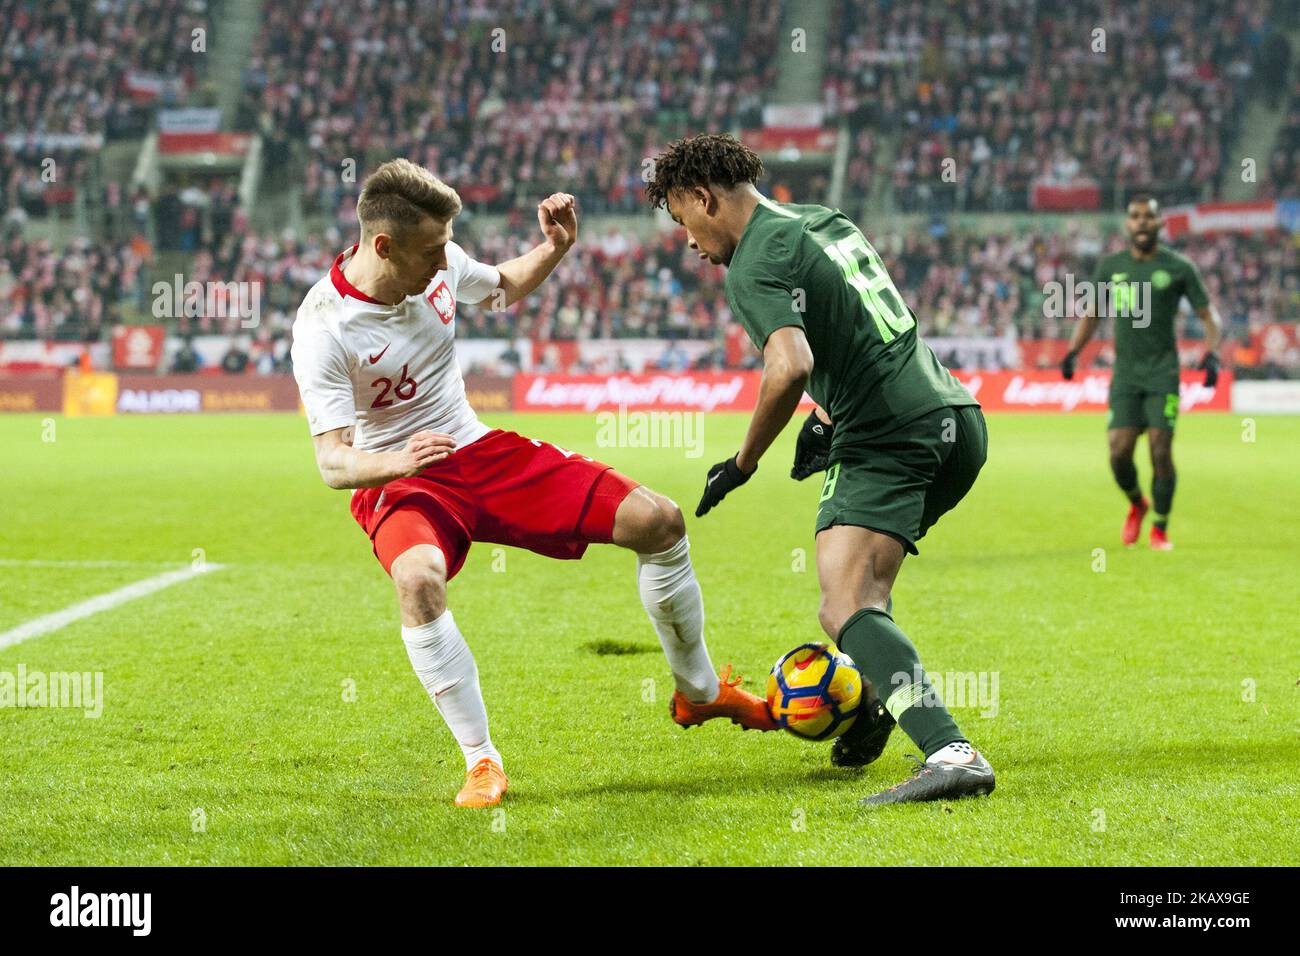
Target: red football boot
(1160, 540)
(1133, 523)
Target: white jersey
(390, 370)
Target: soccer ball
(814, 692)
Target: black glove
(1211, 365)
(723, 477)
(1067, 364)
(813, 447)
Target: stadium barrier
(78, 393)
(146, 348)
(1266, 398)
(679, 391)
(1040, 390)
(31, 392)
(106, 393)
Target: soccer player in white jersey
(375, 359)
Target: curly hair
(713, 159)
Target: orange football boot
(1133, 523)
(485, 784)
(742, 707)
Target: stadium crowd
(528, 95)
(959, 284)
(964, 284)
(85, 68)
(76, 294)
(75, 74)
(532, 95)
(1283, 178)
(34, 178)
(1018, 94)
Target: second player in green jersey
(1141, 288)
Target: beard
(1144, 242)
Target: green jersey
(1146, 346)
(810, 267)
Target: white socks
(445, 666)
(671, 595)
(672, 598)
(959, 752)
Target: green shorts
(901, 483)
(1143, 406)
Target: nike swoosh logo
(376, 358)
(973, 768)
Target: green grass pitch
(1147, 713)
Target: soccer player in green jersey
(901, 440)
(1144, 383)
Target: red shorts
(502, 489)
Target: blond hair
(399, 194)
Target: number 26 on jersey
(403, 391)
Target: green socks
(887, 658)
(1162, 499)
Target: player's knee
(834, 613)
(836, 609)
(831, 617)
(420, 576)
(670, 524)
(657, 523)
(1122, 447)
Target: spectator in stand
(235, 361)
(673, 359)
(186, 359)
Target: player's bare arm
(1213, 326)
(1082, 335)
(787, 363)
(558, 217)
(342, 466)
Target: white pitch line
(101, 602)
(45, 563)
